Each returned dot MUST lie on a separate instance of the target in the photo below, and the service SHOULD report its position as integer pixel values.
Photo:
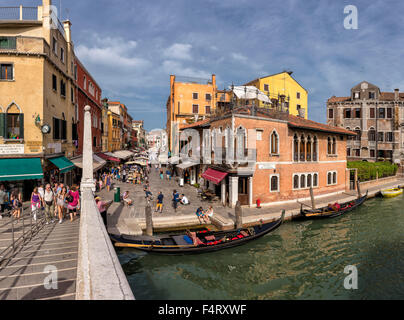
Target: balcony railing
(19, 13)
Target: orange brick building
(292, 155)
(190, 100)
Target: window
(302, 181)
(207, 109)
(13, 123)
(315, 149)
(309, 180)
(195, 96)
(295, 148)
(382, 113)
(348, 152)
(372, 113)
(55, 46)
(8, 43)
(357, 113)
(372, 134)
(6, 72)
(372, 153)
(54, 83)
(208, 97)
(64, 129)
(357, 152)
(315, 180)
(62, 88)
(308, 149)
(195, 108)
(347, 113)
(302, 149)
(274, 143)
(329, 145)
(74, 131)
(372, 95)
(94, 141)
(62, 54)
(330, 113)
(389, 113)
(358, 134)
(298, 107)
(329, 178)
(298, 95)
(266, 87)
(274, 183)
(380, 136)
(85, 83)
(56, 128)
(259, 135)
(296, 182)
(389, 136)
(356, 95)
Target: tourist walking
(36, 201)
(168, 173)
(176, 197)
(102, 208)
(159, 206)
(161, 175)
(73, 202)
(3, 200)
(108, 182)
(49, 204)
(41, 191)
(61, 202)
(124, 175)
(16, 202)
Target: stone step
(43, 259)
(36, 267)
(65, 287)
(45, 252)
(34, 279)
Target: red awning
(109, 158)
(215, 176)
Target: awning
(250, 92)
(64, 164)
(108, 157)
(186, 165)
(174, 160)
(215, 176)
(98, 163)
(123, 154)
(20, 169)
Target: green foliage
(367, 170)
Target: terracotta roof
(389, 96)
(339, 99)
(192, 125)
(298, 122)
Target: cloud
(180, 51)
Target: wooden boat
(391, 193)
(203, 241)
(325, 212)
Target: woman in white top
(209, 212)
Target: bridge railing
(19, 13)
(99, 272)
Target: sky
(131, 47)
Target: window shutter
(3, 125)
(21, 126)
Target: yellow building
(38, 92)
(104, 126)
(282, 87)
(190, 100)
(114, 132)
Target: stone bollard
(149, 220)
(239, 215)
(358, 186)
(313, 204)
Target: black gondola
(203, 241)
(326, 213)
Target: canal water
(300, 260)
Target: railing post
(12, 232)
(21, 17)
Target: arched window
(295, 148)
(12, 122)
(315, 144)
(334, 178)
(274, 142)
(296, 182)
(274, 183)
(302, 148)
(329, 178)
(315, 180)
(334, 145)
(329, 145)
(309, 177)
(308, 148)
(372, 134)
(302, 181)
(358, 134)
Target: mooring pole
(149, 220)
(239, 215)
(313, 205)
(359, 189)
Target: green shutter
(3, 125)
(21, 126)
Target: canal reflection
(300, 260)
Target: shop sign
(11, 149)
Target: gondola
(196, 242)
(326, 213)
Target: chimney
(67, 26)
(396, 94)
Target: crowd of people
(56, 202)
